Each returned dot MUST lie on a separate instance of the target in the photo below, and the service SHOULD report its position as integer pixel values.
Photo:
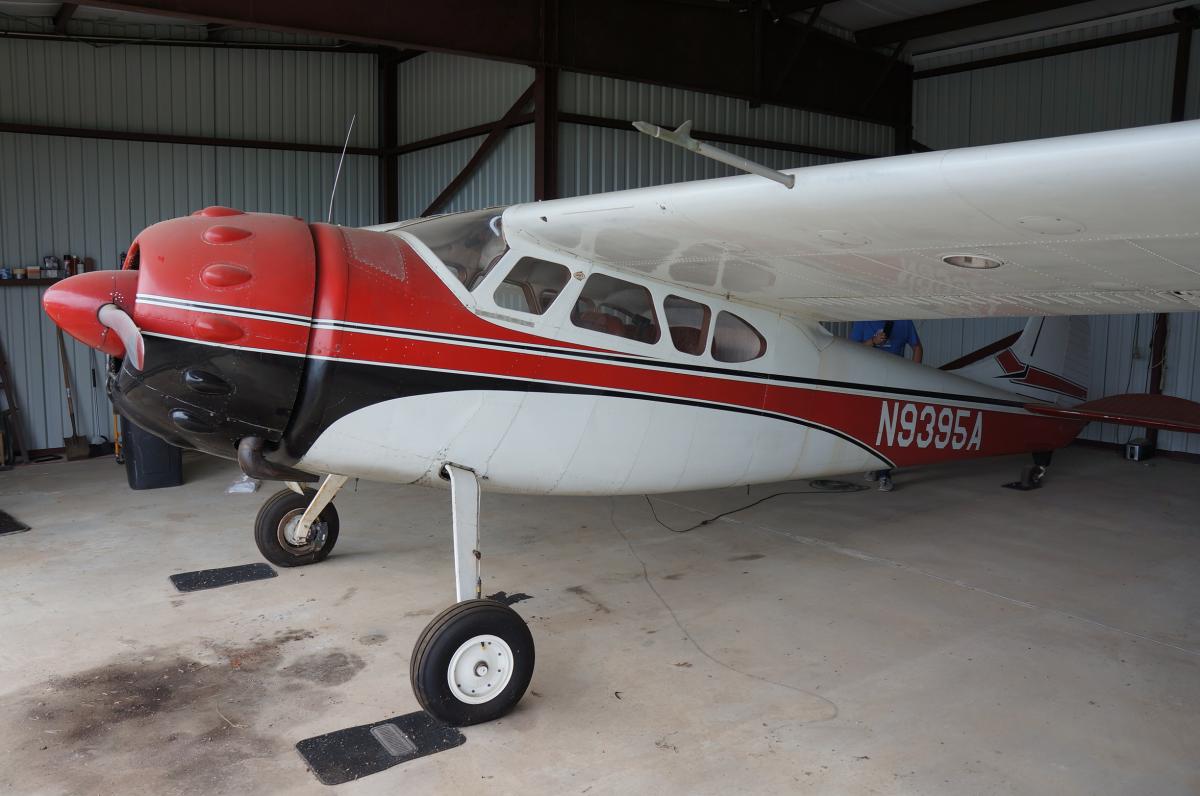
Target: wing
(1090, 224)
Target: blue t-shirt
(904, 333)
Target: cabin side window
(614, 306)
(687, 321)
(531, 286)
(735, 340)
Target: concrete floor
(950, 637)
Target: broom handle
(62, 352)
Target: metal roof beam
(63, 16)
(801, 40)
(485, 148)
(704, 47)
(971, 16)
(1185, 20)
(134, 41)
(783, 8)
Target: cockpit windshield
(467, 243)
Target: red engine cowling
(223, 300)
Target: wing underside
(1102, 223)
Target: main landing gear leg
(473, 662)
(298, 526)
(1031, 477)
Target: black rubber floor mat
(10, 524)
(356, 752)
(225, 576)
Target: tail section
(1048, 362)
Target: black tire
(269, 530)
(445, 635)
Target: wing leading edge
(1102, 223)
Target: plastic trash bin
(150, 463)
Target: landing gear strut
(1031, 477)
(473, 662)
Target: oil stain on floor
(165, 722)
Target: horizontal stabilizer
(1164, 412)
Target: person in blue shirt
(893, 337)
(890, 336)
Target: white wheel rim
(291, 525)
(480, 669)
(290, 528)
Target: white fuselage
(630, 440)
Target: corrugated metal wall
(91, 197)
(1125, 85)
(1183, 373)
(445, 93)
(302, 97)
(622, 99)
(505, 177)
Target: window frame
(531, 299)
(766, 344)
(556, 321)
(710, 315)
(405, 230)
(660, 291)
(483, 296)
(655, 308)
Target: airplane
(643, 341)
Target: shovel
(77, 446)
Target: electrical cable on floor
(612, 518)
(836, 487)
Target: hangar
(696, 631)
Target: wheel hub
(480, 669)
(289, 533)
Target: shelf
(28, 282)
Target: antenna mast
(338, 175)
